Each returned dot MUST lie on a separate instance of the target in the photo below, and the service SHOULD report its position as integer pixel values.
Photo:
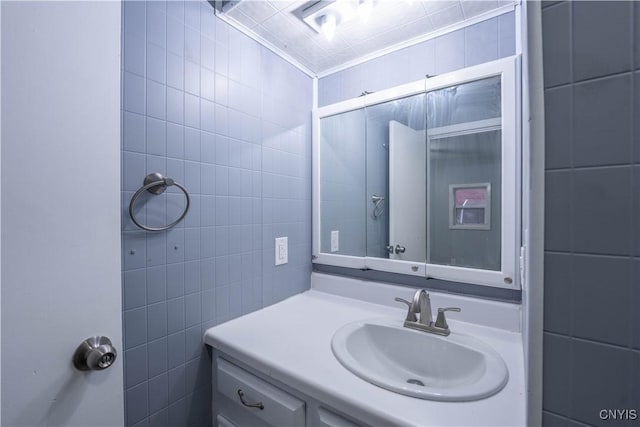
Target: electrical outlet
(282, 250)
(335, 241)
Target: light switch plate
(335, 241)
(282, 250)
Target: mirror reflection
(417, 178)
(342, 183)
(396, 179)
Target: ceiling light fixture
(325, 16)
(328, 25)
(364, 10)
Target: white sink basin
(419, 364)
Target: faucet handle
(441, 321)
(411, 315)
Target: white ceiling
(392, 22)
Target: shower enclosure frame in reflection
(508, 276)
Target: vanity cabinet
(242, 397)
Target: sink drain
(416, 382)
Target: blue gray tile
(176, 349)
(135, 327)
(636, 106)
(192, 14)
(601, 38)
(207, 53)
(556, 44)
(635, 381)
(450, 52)
(557, 293)
(635, 302)
(156, 26)
(156, 243)
(160, 418)
(175, 141)
(602, 122)
(134, 285)
(175, 315)
(481, 42)
(177, 412)
(157, 354)
(557, 117)
(175, 34)
(191, 110)
(176, 64)
(192, 78)
(192, 45)
(601, 285)
(156, 100)
(175, 105)
(135, 20)
(606, 387)
(135, 366)
(175, 71)
(601, 227)
(208, 305)
(192, 244)
(207, 147)
(134, 93)
(207, 115)
(156, 279)
(177, 384)
(156, 59)
(175, 245)
(157, 321)
(636, 29)
(158, 393)
(551, 420)
(137, 404)
(192, 310)
(175, 280)
(557, 235)
(506, 35)
(156, 137)
(193, 342)
(134, 132)
(192, 276)
(207, 273)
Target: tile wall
(479, 43)
(592, 213)
(230, 120)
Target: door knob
(94, 354)
(400, 249)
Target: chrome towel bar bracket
(155, 183)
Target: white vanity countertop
(291, 342)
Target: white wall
(60, 210)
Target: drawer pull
(258, 405)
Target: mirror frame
(511, 149)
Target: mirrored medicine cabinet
(423, 179)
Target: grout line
(587, 168)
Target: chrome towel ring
(155, 183)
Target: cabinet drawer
(330, 419)
(223, 422)
(276, 407)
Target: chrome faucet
(421, 305)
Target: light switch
(282, 250)
(335, 241)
